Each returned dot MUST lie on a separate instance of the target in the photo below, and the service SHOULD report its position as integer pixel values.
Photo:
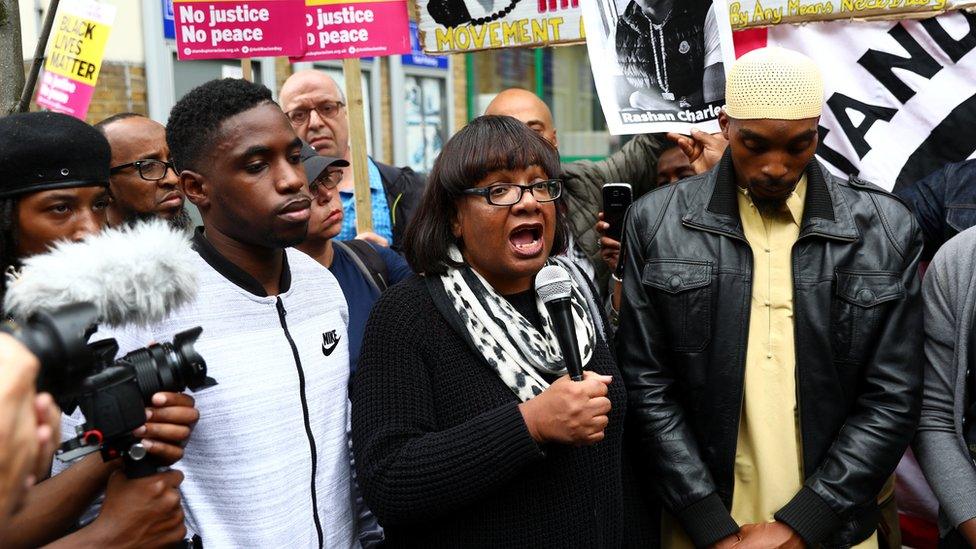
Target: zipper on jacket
(744, 354)
(797, 374)
(308, 426)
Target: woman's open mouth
(527, 240)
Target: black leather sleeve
(883, 419)
(667, 448)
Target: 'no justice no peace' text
(190, 17)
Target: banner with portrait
(659, 65)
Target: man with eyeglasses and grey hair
(316, 107)
(142, 179)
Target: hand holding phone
(616, 199)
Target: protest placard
(659, 65)
(338, 29)
(760, 13)
(469, 25)
(225, 29)
(75, 56)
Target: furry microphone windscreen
(133, 275)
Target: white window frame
(398, 71)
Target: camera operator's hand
(168, 426)
(137, 513)
(48, 433)
(19, 443)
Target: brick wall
(121, 87)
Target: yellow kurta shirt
(768, 457)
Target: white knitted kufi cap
(774, 83)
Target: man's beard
(181, 220)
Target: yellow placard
(76, 48)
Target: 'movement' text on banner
(339, 29)
(760, 13)
(75, 56)
(235, 30)
(470, 25)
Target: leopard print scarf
(515, 349)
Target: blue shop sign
(417, 57)
(169, 21)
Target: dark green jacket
(635, 163)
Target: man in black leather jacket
(686, 342)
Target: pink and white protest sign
(75, 56)
(65, 95)
(225, 29)
(336, 29)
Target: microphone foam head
(132, 275)
(553, 282)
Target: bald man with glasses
(142, 178)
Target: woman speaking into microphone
(466, 429)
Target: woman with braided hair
(8, 240)
(53, 184)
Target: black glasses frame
(140, 164)
(486, 191)
(328, 180)
(317, 108)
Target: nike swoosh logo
(327, 349)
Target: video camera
(113, 394)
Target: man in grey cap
(362, 268)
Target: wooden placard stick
(246, 73)
(352, 70)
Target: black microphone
(555, 288)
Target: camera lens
(171, 367)
(59, 341)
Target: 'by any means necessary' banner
(234, 30)
(339, 29)
(900, 96)
(470, 25)
(75, 56)
(761, 13)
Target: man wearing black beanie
(54, 172)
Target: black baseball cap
(41, 151)
(314, 164)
